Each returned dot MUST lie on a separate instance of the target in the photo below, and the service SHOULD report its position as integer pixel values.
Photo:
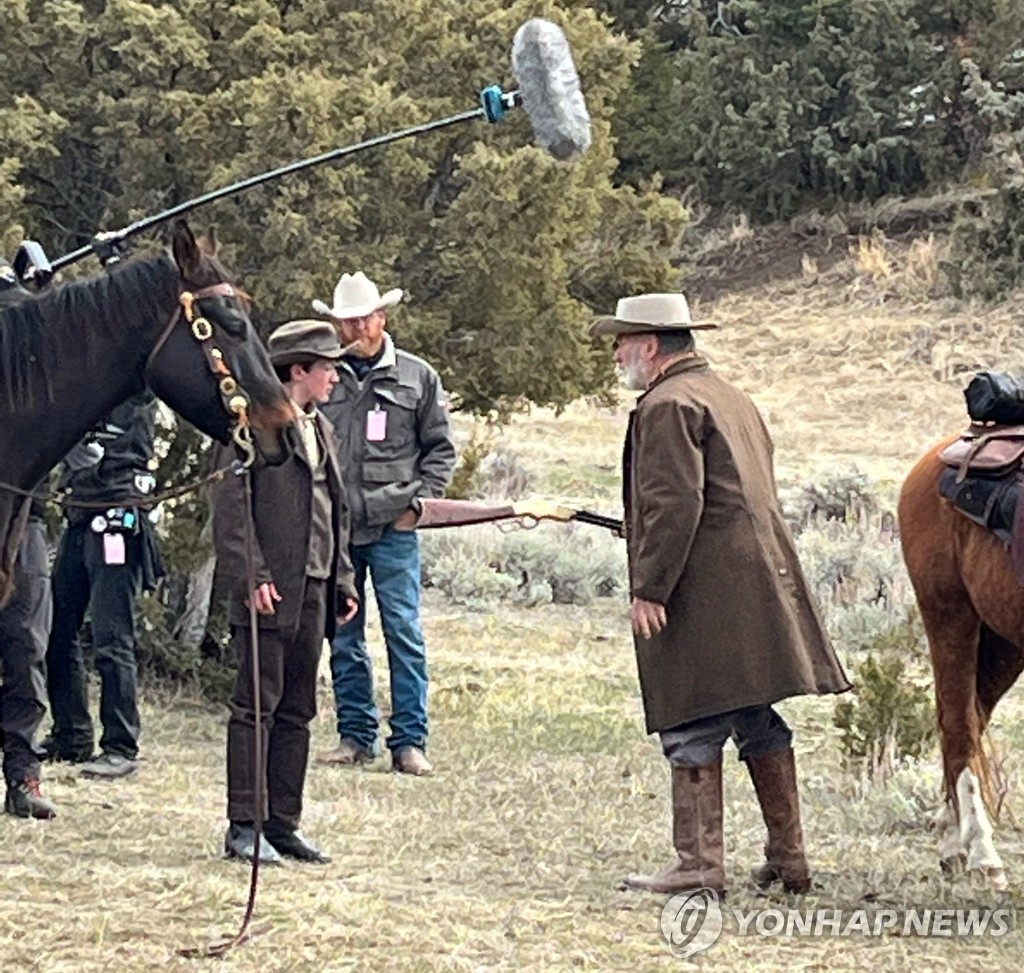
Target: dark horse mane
(57, 329)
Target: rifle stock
(459, 513)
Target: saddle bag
(995, 397)
(988, 502)
(993, 451)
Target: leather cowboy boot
(696, 834)
(774, 777)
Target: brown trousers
(288, 667)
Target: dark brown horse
(973, 613)
(68, 356)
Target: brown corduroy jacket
(707, 539)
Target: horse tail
(989, 776)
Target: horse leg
(1000, 662)
(967, 830)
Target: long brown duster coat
(707, 539)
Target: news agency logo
(692, 922)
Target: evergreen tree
(111, 110)
(154, 102)
(792, 105)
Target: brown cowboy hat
(304, 341)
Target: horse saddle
(985, 450)
(983, 481)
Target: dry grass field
(547, 790)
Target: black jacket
(126, 437)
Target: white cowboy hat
(356, 296)
(649, 313)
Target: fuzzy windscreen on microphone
(550, 89)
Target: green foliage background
(114, 109)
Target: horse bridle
(233, 397)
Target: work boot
(411, 760)
(24, 800)
(774, 777)
(348, 753)
(696, 834)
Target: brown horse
(973, 613)
(68, 356)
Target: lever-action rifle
(459, 513)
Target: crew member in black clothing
(107, 557)
(24, 630)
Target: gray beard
(632, 377)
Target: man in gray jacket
(390, 417)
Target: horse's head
(195, 373)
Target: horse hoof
(953, 865)
(988, 879)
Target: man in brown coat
(724, 624)
(303, 585)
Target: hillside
(851, 345)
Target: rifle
(459, 513)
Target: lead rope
(172, 493)
(243, 934)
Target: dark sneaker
(240, 842)
(108, 766)
(24, 800)
(294, 844)
(49, 749)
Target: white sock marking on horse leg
(975, 827)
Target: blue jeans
(755, 730)
(393, 563)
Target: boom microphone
(550, 89)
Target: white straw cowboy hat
(356, 296)
(648, 314)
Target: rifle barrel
(597, 520)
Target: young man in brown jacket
(303, 586)
(724, 624)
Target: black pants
(82, 581)
(24, 630)
(288, 665)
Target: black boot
(294, 844)
(24, 800)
